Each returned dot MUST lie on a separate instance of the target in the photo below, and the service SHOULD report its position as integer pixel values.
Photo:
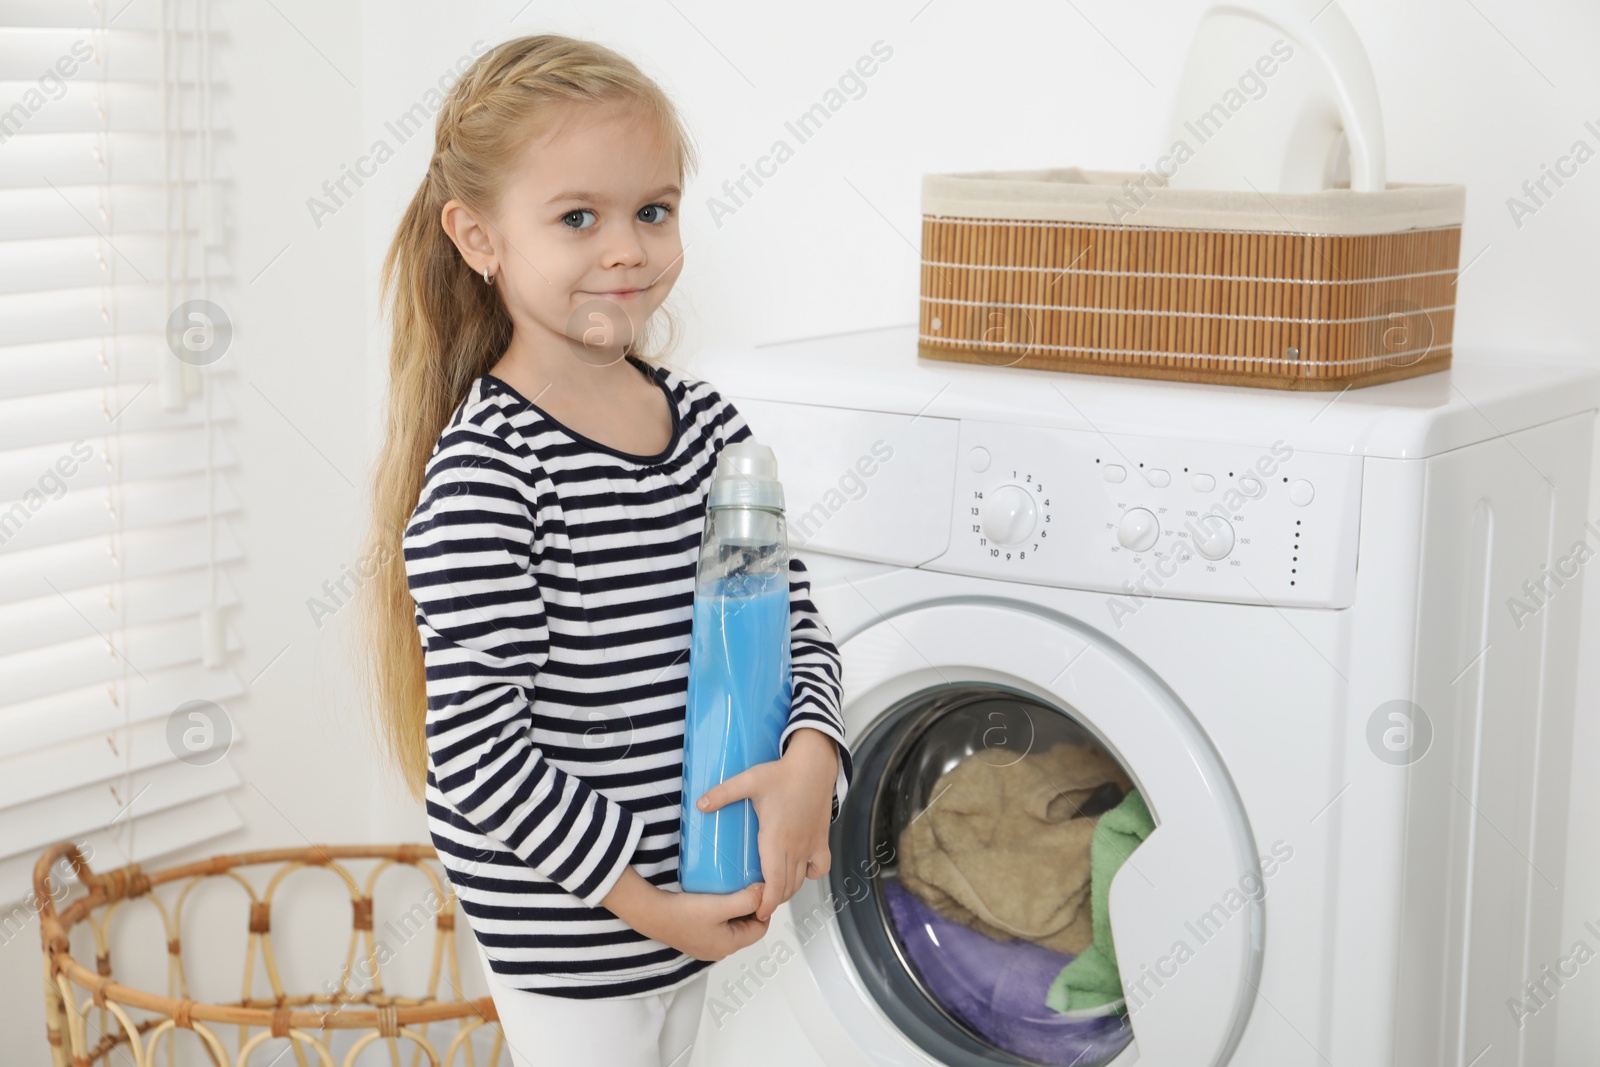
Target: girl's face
(586, 244)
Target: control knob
(1213, 537)
(1138, 529)
(1009, 515)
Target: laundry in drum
(1003, 844)
(992, 896)
(997, 988)
(1093, 980)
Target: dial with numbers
(1012, 520)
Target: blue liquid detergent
(737, 706)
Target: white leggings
(654, 1030)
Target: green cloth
(1092, 979)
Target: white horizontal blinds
(114, 496)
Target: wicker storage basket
(92, 1019)
(1112, 272)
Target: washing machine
(1330, 637)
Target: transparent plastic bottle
(739, 665)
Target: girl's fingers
(766, 894)
(785, 887)
(746, 785)
(819, 863)
(780, 891)
(776, 860)
(746, 901)
(786, 876)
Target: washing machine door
(932, 686)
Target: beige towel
(1002, 846)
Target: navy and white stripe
(554, 584)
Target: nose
(623, 248)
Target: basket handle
(1330, 38)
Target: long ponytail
(449, 327)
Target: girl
(540, 499)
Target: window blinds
(114, 497)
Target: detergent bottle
(739, 665)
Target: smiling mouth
(619, 293)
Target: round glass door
(976, 814)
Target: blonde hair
(449, 327)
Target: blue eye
(663, 208)
(580, 211)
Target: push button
(1115, 473)
(1203, 483)
(1301, 492)
(1158, 478)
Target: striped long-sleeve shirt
(554, 583)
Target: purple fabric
(998, 988)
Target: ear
(470, 234)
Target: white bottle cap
(746, 476)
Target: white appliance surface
(1244, 595)
(1482, 396)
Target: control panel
(1141, 517)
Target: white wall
(1481, 93)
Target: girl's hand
(710, 926)
(707, 926)
(793, 800)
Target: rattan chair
(79, 1001)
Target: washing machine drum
(960, 887)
